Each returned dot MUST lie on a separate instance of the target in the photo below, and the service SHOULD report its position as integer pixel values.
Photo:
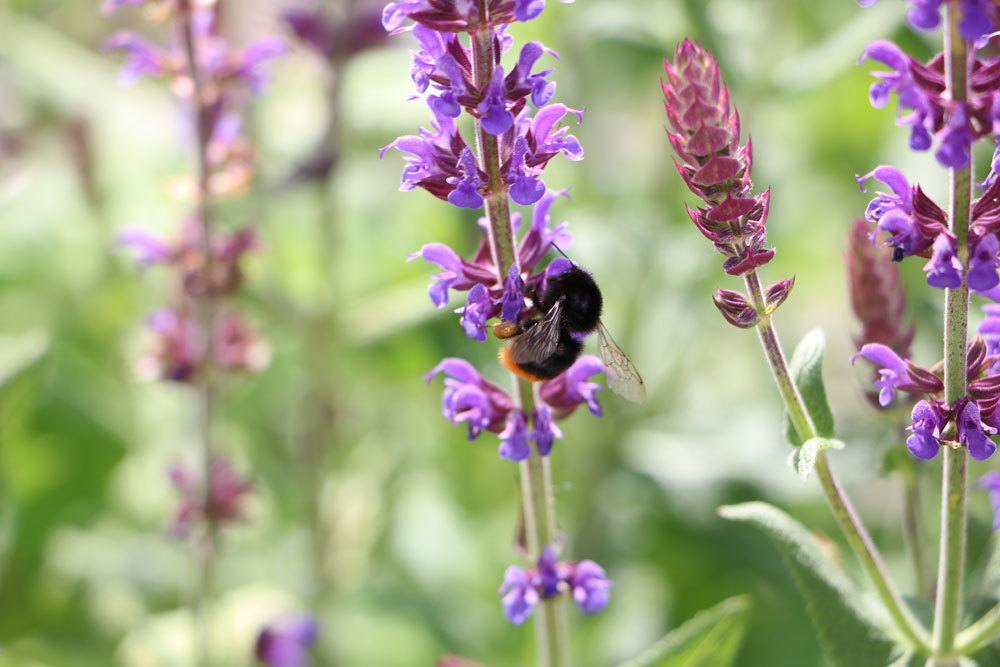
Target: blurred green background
(417, 523)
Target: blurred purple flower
(990, 482)
(545, 431)
(225, 501)
(286, 642)
(515, 438)
(174, 353)
(142, 58)
(523, 589)
(590, 586)
(519, 595)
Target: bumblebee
(567, 311)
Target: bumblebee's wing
(539, 342)
(623, 378)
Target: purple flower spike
(926, 424)
(944, 270)
(514, 439)
(286, 642)
(545, 431)
(519, 595)
(475, 312)
(991, 483)
(974, 434)
(573, 388)
(496, 119)
(983, 265)
(466, 192)
(591, 587)
(892, 370)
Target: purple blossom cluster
(178, 347)
(705, 135)
(522, 588)
(471, 399)
(220, 502)
(441, 161)
(513, 111)
(974, 419)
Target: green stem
(951, 563)
(843, 510)
(551, 629)
(984, 631)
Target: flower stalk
(843, 510)
(538, 500)
(951, 563)
(201, 115)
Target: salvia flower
(925, 427)
(705, 135)
(933, 117)
(471, 399)
(586, 582)
(226, 497)
(974, 433)
(908, 220)
(286, 641)
(990, 482)
(896, 373)
(944, 270)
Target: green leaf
(803, 459)
(807, 371)
(849, 633)
(710, 639)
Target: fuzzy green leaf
(849, 633)
(803, 459)
(807, 371)
(710, 639)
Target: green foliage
(807, 371)
(710, 639)
(803, 459)
(850, 635)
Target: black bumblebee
(546, 345)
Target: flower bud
(778, 292)
(735, 307)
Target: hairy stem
(843, 510)
(551, 630)
(951, 562)
(984, 631)
(202, 117)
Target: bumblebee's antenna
(559, 250)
